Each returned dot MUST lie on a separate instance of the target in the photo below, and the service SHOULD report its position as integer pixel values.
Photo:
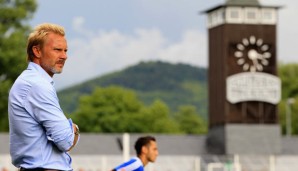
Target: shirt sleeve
(43, 104)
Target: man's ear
(37, 52)
(144, 149)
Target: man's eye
(60, 50)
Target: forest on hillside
(175, 84)
(149, 97)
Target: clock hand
(255, 62)
(257, 65)
(260, 56)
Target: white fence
(182, 163)
(107, 162)
(255, 163)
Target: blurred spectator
(147, 151)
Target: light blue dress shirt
(40, 134)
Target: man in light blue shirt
(40, 134)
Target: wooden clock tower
(244, 89)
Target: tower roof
(243, 2)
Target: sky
(105, 36)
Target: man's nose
(64, 55)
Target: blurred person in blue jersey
(146, 150)
(40, 134)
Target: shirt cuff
(70, 123)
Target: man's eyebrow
(57, 48)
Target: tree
(189, 121)
(116, 109)
(105, 109)
(156, 119)
(288, 75)
(14, 29)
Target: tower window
(216, 18)
(252, 15)
(268, 16)
(234, 15)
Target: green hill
(175, 84)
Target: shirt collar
(42, 72)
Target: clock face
(252, 54)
